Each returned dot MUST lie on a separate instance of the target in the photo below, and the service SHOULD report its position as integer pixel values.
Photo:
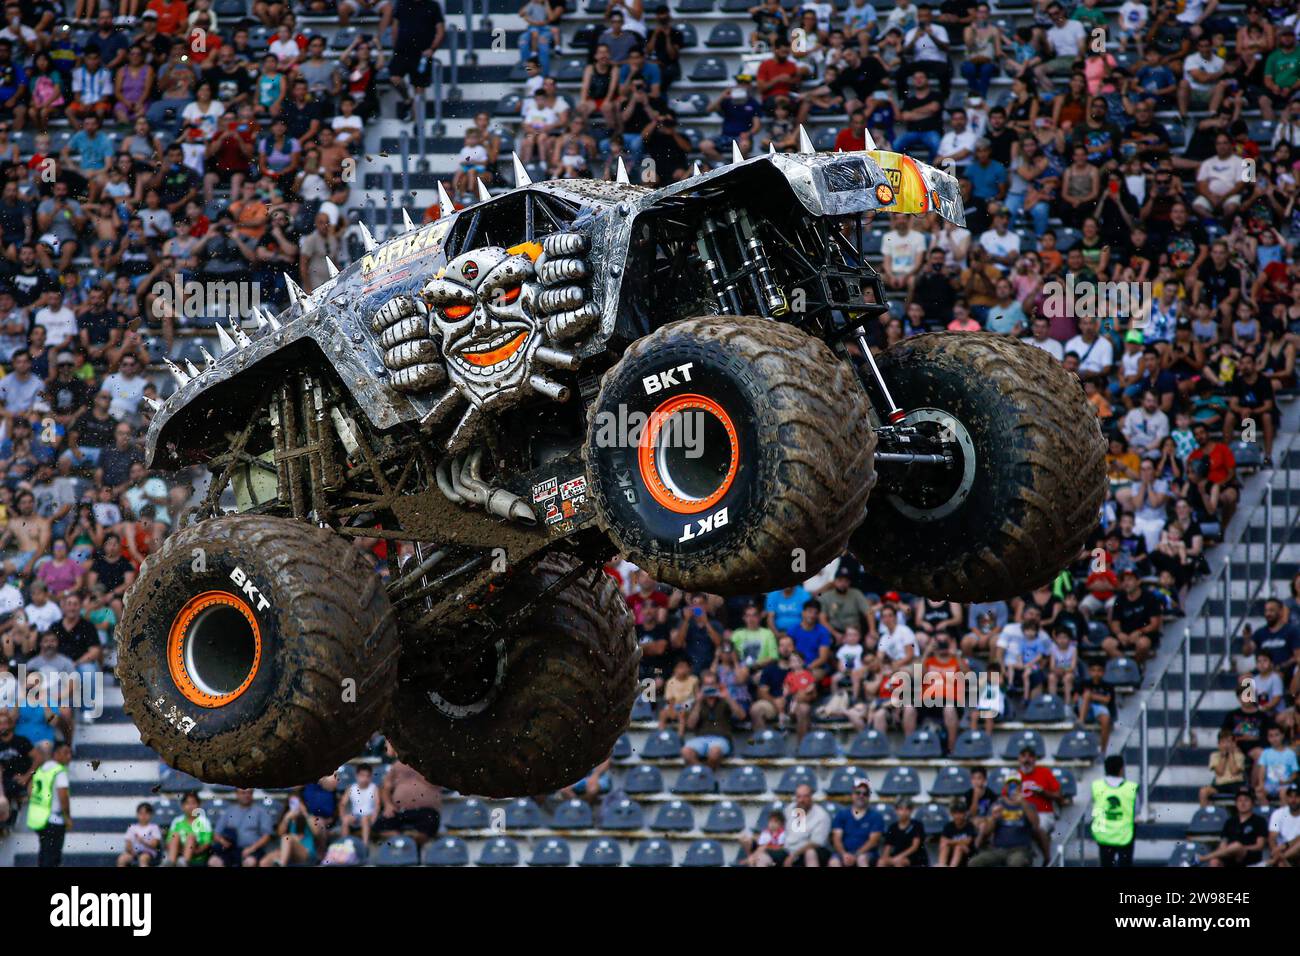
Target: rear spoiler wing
(920, 188)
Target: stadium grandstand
(1144, 154)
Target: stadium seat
(734, 6)
(725, 817)
(870, 744)
(887, 813)
(704, 853)
(818, 745)
(1069, 783)
(1207, 821)
(585, 36)
(694, 6)
(396, 851)
(343, 38)
(622, 748)
(796, 777)
(934, 817)
(690, 36)
(676, 816)
(824, 140)
(1122, 672)
(923, 744)
(652, 853)
(710, 70)
(499, 851)
(746, 780)
(448, 851)
(973, 744)
(236, 9)
(622, 815)
(765, 745)
(165, 810)
(842, 780)
(602, 852)
(508, 105)
(900, 782)
(1026, 738)
(1096, 633)
(1249, 454)
(553, 851)
(571, 70)
(172, 780)
(1044, 709)
(690, 104)
(642, 709)
(1079, 745)
(723, 35)
(572, 815)
(469, 814)
(951, 782)
(642, 779)
(662, 745)
(696, 779)
(524, 814)
(1184, 855)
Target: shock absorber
(714, 267)
(768, 290)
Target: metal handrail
(1222, 578)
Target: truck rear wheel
(527, 708)
(730, 453)
(257, 651)
(1028, 477)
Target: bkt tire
(1029, 479)
(257, 651)
(731, 454)
(527, 708)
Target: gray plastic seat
(571, 70)
(795, 777)
(1079, 745)
(887, 813)
(901, 782)
(818, 745)
(998, 776)
(448, 851)
(177, 781)
(870, 744)
(842, 780)
(1069, 783)
(602, 852)
(1184, 855)
(923, 744)
(642, 709)
(499, 851)
(696, 779)
(553, 851)
(710, 69)
(1025, 738)
(396, 851)
(652, 853)
(523, 813)
(725, 816)
(622, 815)
(704, 853)
(744, 781)
(622, 748)
(675, 816)
(973, 745)
(725, 34)
(765, 745)
(951, 782)
(695, 6)
(469, 814)
(1122, 672)
(572, 815)
(1044, 709)
(1208, 821)
(934, 817)
(643, 779)
(662, 745)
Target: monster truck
(493, 405)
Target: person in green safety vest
(49, 807)
(1114, 810)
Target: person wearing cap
(1244, 836)
(1135, 619)
(843, 606)
(1114, 810)
(857, 830)
(1284, 830)
(741, 114)
(1010, 831)
(1041, 789)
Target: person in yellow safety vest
(1114, 810)
(49, 808)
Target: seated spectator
(1010, 831)
(243, 833)
(903, 843)
(189, 838)
(359, 807)
(1243, 839)
(712, 715)
(143, 839)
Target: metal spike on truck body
(483, 193)
(367, 240)
(621, 176)
(805, 143)
(406, 221)
(445, 206)
(181, 378)
(225, 341)
(521, 174)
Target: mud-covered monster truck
(531, 385)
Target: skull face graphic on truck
(484, 306)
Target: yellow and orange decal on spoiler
(911, 192)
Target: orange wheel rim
(650, 459)
(184, 635)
